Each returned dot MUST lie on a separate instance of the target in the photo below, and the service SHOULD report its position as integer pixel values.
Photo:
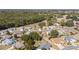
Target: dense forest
(16, 19)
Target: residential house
(69, 30)
(18, 32)
(71, 40)
(18, 45)
(3, 32)
(44, 46)
(11, 30)
(58, 42)
(8, 41)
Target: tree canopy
(69, 23)
(35, 36)
(11, 19)
(54, 33)
(29, 40)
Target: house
(18, 33)
(3, 32)
(58, 42)
(70, 39)
(51, 27)
(44, 46)
(11, 30)
(44, 34)
(69, 30)
(20, 29)
(8, 41)
(56, 24)
(76, 36)
(18, 45)
(40, 30)
(6, 36)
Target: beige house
(59, 42)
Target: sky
(39, 4)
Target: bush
(54, 33)
(74, 18)
(35, 36)
(62, 23)
(29, 43)
(15, 36)
(29, 40)
(12, 19)
(69, 23)
(51, 21)
(25, 38)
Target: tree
(68, 17)
(68, 43)
(25, 38)
(62, 23)
(30, 44)
(16, 19)
(54, 33)
(29, 40)
(35, 36)
(15, 36)
(42, 24)
(69, 23)
(74, 18)
(51, 21)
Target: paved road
(70, 47)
